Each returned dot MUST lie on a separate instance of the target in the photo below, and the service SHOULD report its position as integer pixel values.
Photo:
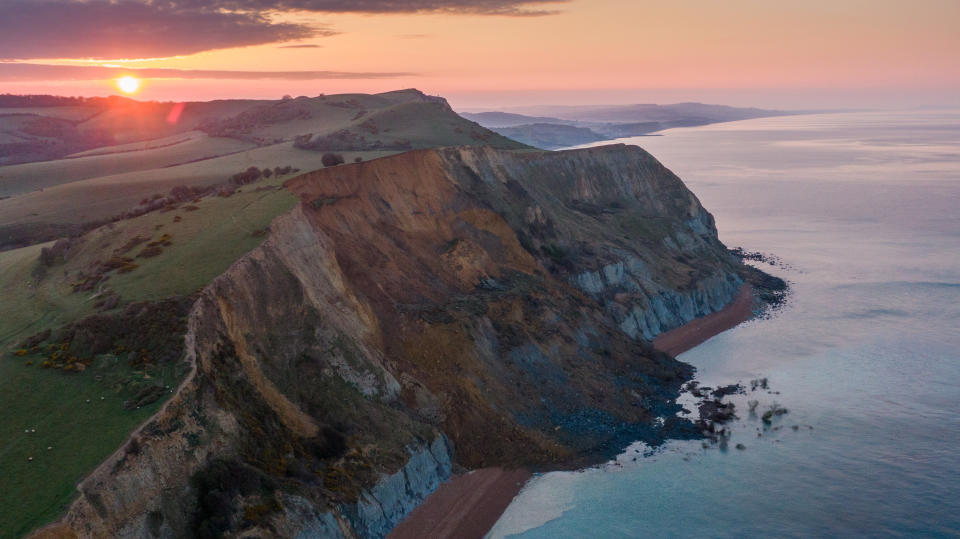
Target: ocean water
(863, 209)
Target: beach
(465, 507)
(679, 340)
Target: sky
(493, 53)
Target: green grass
(104, 197)
(205, 242)
(81, 434)
(170, 151)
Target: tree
(331, 159)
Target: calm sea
(863, 209)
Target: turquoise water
(864, 211)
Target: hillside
(509, 119)
(550, 136)
(402, 311)
(200, 146)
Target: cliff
(468, 305)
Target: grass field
(141, 145)
(81, 434)
(106, 196)
(16, 179)
(204, 242)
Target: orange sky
(601, 51)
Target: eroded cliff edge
(466, 305)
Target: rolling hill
(207, 144)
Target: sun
(128, 84)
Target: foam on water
(862, 209)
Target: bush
(331, 159)
(250, 175)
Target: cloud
(130, 29)
(303, 46)
(16, 71)
(520, 8)
(104, 29)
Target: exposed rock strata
(468, 304)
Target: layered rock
(473, 305)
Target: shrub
(150, 252)
(331, 159)
(250, 175)
(47, 257)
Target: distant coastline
(552, 128)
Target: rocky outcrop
(474, 305)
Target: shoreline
(699, 330)
(465, 507)
(468, 505)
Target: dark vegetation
(332, 159)
(218, 485)
(143, 333)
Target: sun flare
(128, 84)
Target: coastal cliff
(454, 307)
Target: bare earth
(695, 332)
(465, 507)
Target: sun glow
(128, 84)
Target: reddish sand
(691, 334)
(465, 507)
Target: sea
(860, 212)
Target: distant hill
(509, 119)
(41, 128)
(554, 127)
(551, 136)
(649, 112)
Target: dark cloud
(129, 29)
(16, 71)
(101, 29)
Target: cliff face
(470, 305)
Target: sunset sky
(485, 53)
